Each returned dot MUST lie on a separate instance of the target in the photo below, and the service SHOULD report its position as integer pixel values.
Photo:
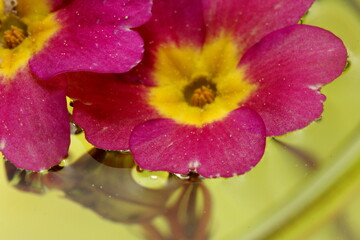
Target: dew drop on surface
(43, 171)
(2, 144)
(149, 179)
(182, 176)
(347, 66)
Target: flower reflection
(104, 181)
(307, 158)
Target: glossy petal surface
(283, 63)
(290, 65)
(250, 20)
(95, 37)
(178, 21)
(34, 129)
(224, 148)
(197, 21)
(108, 109)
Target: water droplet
(148, 179)
(347, 66)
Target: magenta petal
(176, 21)
(34, 129)
(95, 37)
(251, 20)
(179, 21)
(56, 4)
(108, 109)
(299, 55)
(290, 65)
(285, 109)
(224, 148)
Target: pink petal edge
(250, 20)
(289, 66)
(34, 129)
(108, 109)
(95, 37)
(225, 148)
(177, 22)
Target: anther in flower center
(13, 31)
(202, 96)
(200, 92)
(14, 36)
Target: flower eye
(200, 92)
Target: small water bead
(149, 179)
(10, 6)
(347, 66)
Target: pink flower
(217, 78)
(43, 39)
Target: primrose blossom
(217, 78)
(41, 39)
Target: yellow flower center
(24, 30)
(14, 36)
(200, 92)
(197, 86)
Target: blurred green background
(306, 187)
